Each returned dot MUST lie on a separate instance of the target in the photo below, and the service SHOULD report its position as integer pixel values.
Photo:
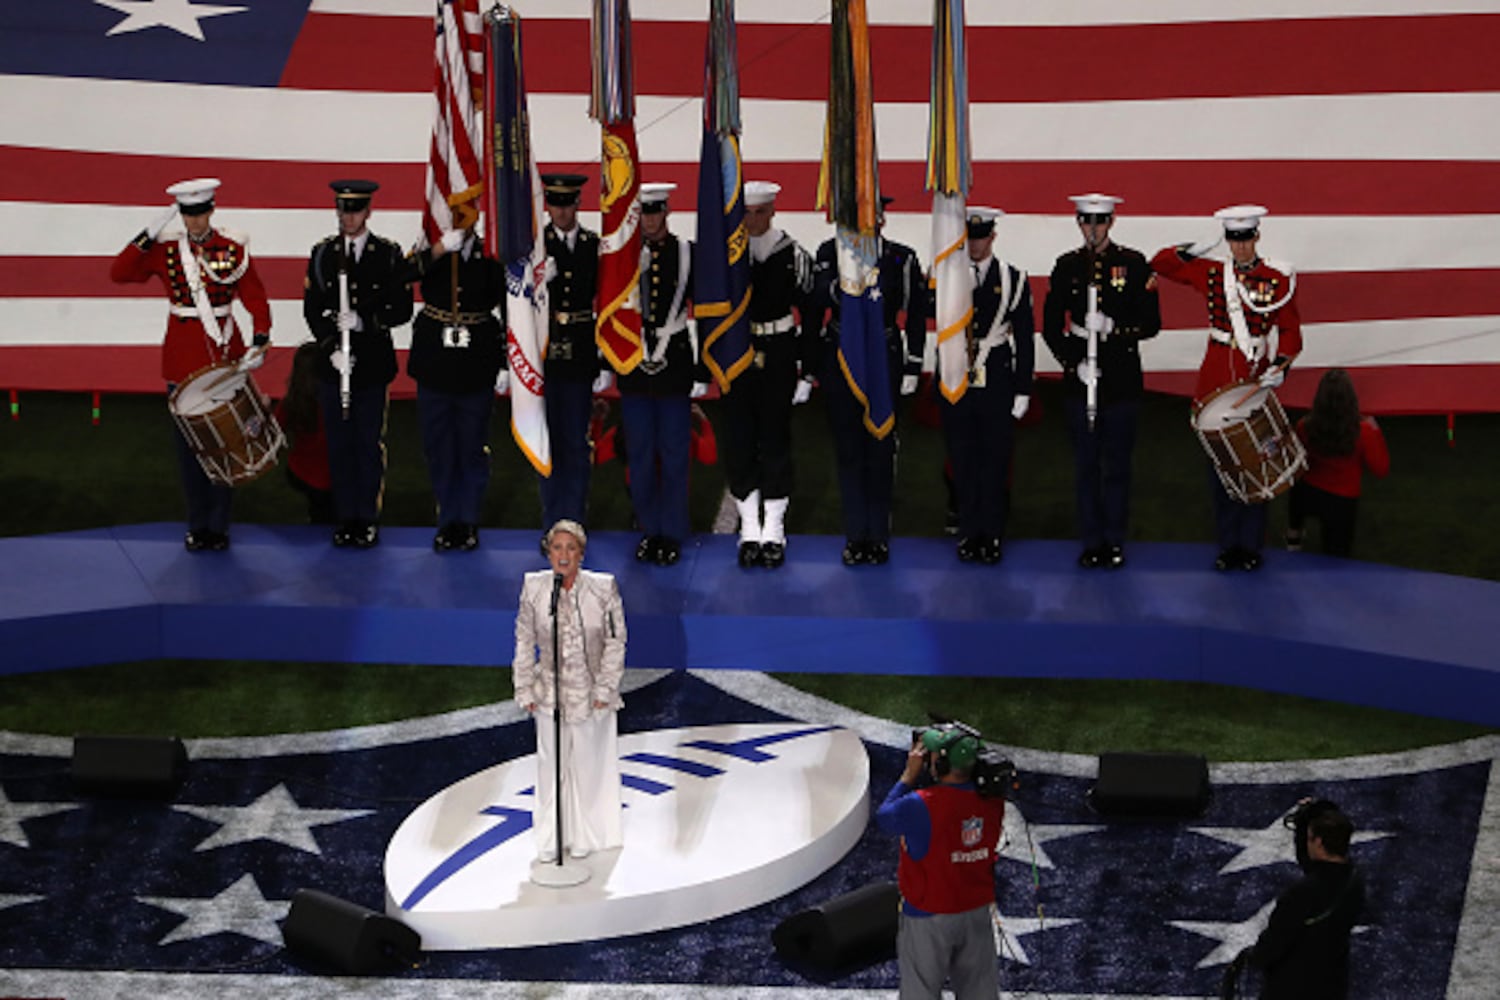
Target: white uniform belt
(1225, 337)
(667, 331)
(191, 312)
(773, 326)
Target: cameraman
(1304, 950)
(950, 839)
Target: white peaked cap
(1094, 204)
(1241, 218)
(979, 213)
(194, 192)
(761, 192)
(656, 193)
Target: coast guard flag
(949, 174)
(514, 213)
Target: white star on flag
(239, 909)
(1267, 846)
(1017, 846)
(274, 816)
(13, 814)
(182, 16)
(1009, 930)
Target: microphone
(556, 590)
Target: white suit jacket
(593, 600)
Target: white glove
(349, 320)
(1088, 372)
(1200, 248)
(452, 240)
(1020, 406)
(342, 363)
(1099, 323)
(603, 381)
(1272, 377)
(154, 230)
(908, 384)
(803, 392)
(253, 359)
(502, 382)
(551, 271)
(699, 390)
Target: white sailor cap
(195, 197)
(1094, 204)
(761, 192)
(654, 196)
(1239, 219)
(981, 221)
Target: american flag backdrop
(1365, 125)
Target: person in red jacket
(950, 841)
(203, 270)
(1255, 333)
(302, 419)
(1341, 446)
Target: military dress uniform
(221, 265)
(374, 268)
(656, 404)
(1254, 327)
(1102, 453)
(569, 370)
(457, 350)
(866, 464)
(979, 428)
(758, 407)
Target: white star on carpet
(274, 816)
(239, 909)
(1008, 932)
(1268, 846)
(182, 16)
(1017, 847)
(6, 902)
(13, 814)
(1232, 938)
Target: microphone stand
(559, 874)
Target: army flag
(721, 262)
(514, 215)
(849, 189)
(949, 174)
(612, 104)
(455, 180)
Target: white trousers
(590, 784)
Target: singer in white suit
(591, 637)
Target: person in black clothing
(458, 361)
(1127, 312)
(867, 464)
(758, 407)
(572, 363)
(1304, 951)
(656, 397)
(372, 271)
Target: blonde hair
(571, 527)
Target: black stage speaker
(129, 766)
(858, 927)
(1151, 785)
(338, 935)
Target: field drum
(1247, 436)
(227, 423)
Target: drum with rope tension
(1247, 436)
(227, 423)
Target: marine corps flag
(514, 213)
(849, 188)
(949, 174)
(612, 104)
(721, 264)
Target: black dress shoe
(969, 549)
(668, 551)
(854, 553)
(197, 541)
(446, 540)
(772, 554)
(1092, 558)
(749, 554)
(645, 549)
(1113, 557)
(365, 536)
(878, 553)
(467, 537)
(343, 535)
(991, 551)
(1227, 559)
(1249, 560)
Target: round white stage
(717, 819)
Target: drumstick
(1254, 388)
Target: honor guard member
(867, 465)
(203, 270)
(980, 427)
(572, 362)
(1102, 393)
(1254, 334)
(354, 284)
(656, 397)
(457, 360)
(758, 407)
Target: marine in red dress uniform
(223, 264)
(1261, 295)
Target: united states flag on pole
(455, 182)
(1363, 124)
